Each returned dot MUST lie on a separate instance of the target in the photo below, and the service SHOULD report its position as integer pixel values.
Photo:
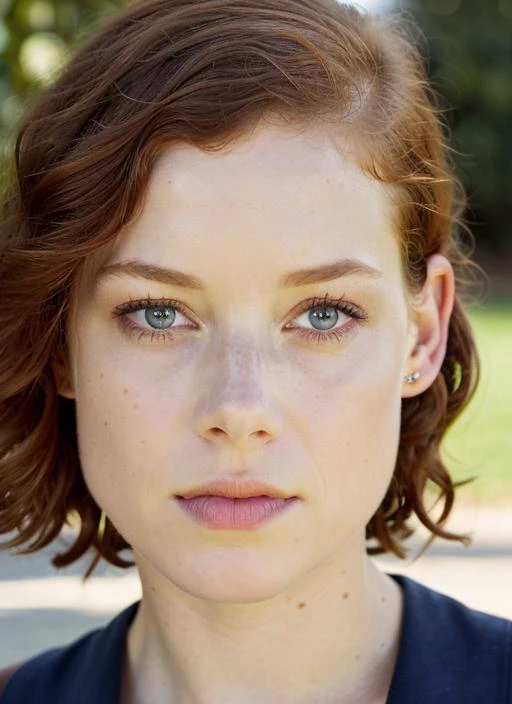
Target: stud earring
(412, 378)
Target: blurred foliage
(470, 46)
(470, 43)
(36, 38)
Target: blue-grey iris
(160, 317)
(324, 316)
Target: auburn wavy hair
(206, 72)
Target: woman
(232, 340)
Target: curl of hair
(206, 72)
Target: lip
(236, 490)
(222, 512)
(235, 505)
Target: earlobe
(431, 310)
(66, 392)
(62, 375)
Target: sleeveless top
(448, 654)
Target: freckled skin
(240, 392)
(232, 392)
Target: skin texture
(293, 611)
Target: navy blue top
(448, 654)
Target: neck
(332, 637)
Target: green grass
(480, 442)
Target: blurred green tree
(36, 37)
(470, 47)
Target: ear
(63, 376)
(431, 309)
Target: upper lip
(235, 490)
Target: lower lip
(234, 514)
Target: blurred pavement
(41, 607)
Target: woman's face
(249, 377)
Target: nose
(236, 404)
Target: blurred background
(469, 48)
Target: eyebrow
(304, 277)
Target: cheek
(352, 426)
(128, 413)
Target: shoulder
(6, 673)
(439, 616)
(450, 652)
(87, 670)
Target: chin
(228, 576)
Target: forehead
(272, 164)
(240, 219)
(279, 193)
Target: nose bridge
(239, 370)
(235, 390)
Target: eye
(331, 319)
(153, 318)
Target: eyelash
(340, 304)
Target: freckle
(125, 391)
(301, 605)
(105, 424)
(358, 657)
(383, 599)
(346, 595)
(135, 406)
(142, 442)
(382, 645)
(101, 375)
